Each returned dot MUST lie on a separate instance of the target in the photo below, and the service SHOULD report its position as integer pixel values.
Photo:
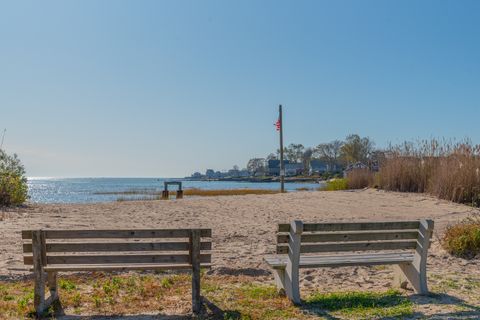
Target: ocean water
(85, 190)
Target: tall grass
(360, 178)
(447, 170)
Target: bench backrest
(122, 247)
(354, 236)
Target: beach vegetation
(225, 297)
(152, 194)
(335, 185)
(360, 178)
(363, 305)
(463, 238)
(444, 169)
(66, 284)
(13, 182)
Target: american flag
(278, 125)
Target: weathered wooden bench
(303, 245)
(51, 251)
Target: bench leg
(399, 278)
(279, 275)
(416, 272)
(196, 299)
(39, 293)
(52, 285)
(415, 276)
(195, 258)
(292, 278)
(292, 283)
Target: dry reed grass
(147, 194)
(447, 170)
(226, 192)
(360, 178)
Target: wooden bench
(303, 245)
(51, 251)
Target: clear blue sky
(157, 88)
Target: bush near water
(13, 183)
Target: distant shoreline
(260, 179)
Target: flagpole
(282, 166)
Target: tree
(256, 166)
(357, 149)
(306, 159)
(272, 156)
(294, 152)
(330, 152)
(13, 183)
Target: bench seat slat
(119, 267)
(119, 259)
(351, 236)
(354, 226)
(280, 262)
(112, 247)
(350, 246)
(109, 234)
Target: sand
(244, 230)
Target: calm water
(83, 190)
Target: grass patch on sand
(362, 305)
(149, 194)
(226, 297)
(226, 192)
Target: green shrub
(336, 184)
(13, 183)
(463, 239)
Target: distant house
(318, 166)
(293, 169)
(197, 175)
(233, 173)
(354, 166)
(210, 174)
(244, 173)
(273, 167)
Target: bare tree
(306, 159)
(256, 165)
(357, 149)
(272, 156)
(329, 152)
(294, 152)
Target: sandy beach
(243, 226)
(244, 231)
